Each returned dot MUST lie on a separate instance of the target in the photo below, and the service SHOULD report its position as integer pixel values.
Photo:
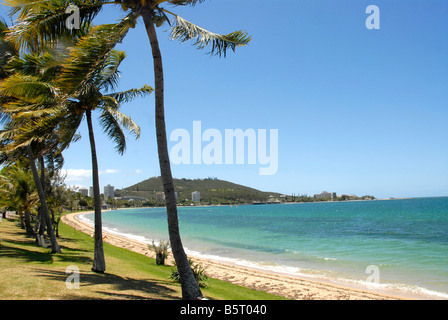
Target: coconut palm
(10, 156)
(85, 78)
(41, 22)
(26, 88)
(11, 63)
(47, 149)
(90, 69)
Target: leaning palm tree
(90, 70)
(10, 64)
(17, 191)
(41, 22)
(9, 156)
(27, 87)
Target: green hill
(212, 191)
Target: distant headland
(213, 191)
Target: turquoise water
(405, 240)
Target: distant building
(131, 198)
(160, 196)
(109, 191)
(325, 195)
(196, 196)
(84, 192)
(91, 191)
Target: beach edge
(292, 287)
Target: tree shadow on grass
(35, 253)
(24, 254)
(148, 289)
(20, 236)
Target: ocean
(391, 246)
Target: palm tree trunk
(99, 264)
(190, 287)
(41, 222)
(28, 226)
(22, 220)
(42, 179)
(40, 191)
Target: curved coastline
(290, 286)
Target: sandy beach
(279, 284)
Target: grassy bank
(29, 271)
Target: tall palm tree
(45, 21)
(85, 78)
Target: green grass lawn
(29, 271)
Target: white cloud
(109, 171)
(81, 178)
(80, 174)
(138, 171)
(77, 187)
(76, 174)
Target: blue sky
(358, 111)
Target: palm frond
(28, 88)
(43, 22)
(7, 49)
(68, 133)
(129, 95)
(87, 58)
(185, 2)
(45, 65)
(39, 113)
(47, 125)
(107, 101)
(110, 75)
(54, 161)
(185, 30)
(112, 122)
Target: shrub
(198, 271)
(161, 251)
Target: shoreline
(293, 287)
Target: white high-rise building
(109, 191)
(196, 196)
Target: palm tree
(85, 86)
(26, 87)
(44, 21)
(90, 68)
(11, 62)
(18, 192)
